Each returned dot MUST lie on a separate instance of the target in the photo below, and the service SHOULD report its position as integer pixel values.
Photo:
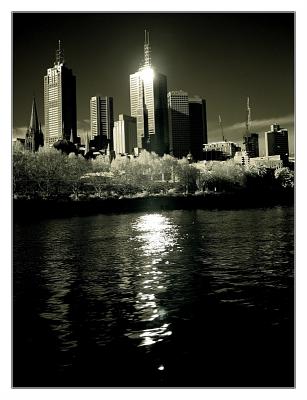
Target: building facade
(198, 126)
(272, 162)
(251, 143)
(241, 157)
(148, 104)
(60, 102)
(125, 135)
(102, 122)
(219, 151)
(250, 140)
(179, 123)
(276, 142)
(34, 136)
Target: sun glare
(147, 73)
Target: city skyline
(223, 66)
(153, 234)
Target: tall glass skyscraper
(60, 102)
(198, 126)
(179, 123)
(148, 104)
(102, 121)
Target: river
(153, 299)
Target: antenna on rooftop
(59, 54)
(147, 50)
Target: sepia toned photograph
(153, 199)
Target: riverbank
(28, 209)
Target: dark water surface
(177, 298)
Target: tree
(187, 175)
(77, 166)
(256, 177)
(148, 163)
(65, 146)
(285, 177)
(204, 179)
(226, 175)
(100, 181)
(169, 164)
(120, 165)
(101, 164)
(51, 170)
(23, 168)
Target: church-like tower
(34, 135)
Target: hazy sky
(221, 57)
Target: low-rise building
(272, 162)
(242, 157)
(219, 151)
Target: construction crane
(248, 117)
(221, 126)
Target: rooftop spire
(34, 126)
(60, 54)
(147, 50)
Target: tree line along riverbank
(50, 182)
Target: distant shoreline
(36, 209)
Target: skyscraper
(34, 136)
(198, 126)
(276, 142)
(148, 104)
(102, 121)
(124, 135)
(250, 140)
(179, 123)
(60, 101)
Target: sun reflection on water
(156, 234)
(156, 237)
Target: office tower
(148, 104)
(179, 123)
(250, 140)
(102, 122)
(125, 134)
(60, 101)
(276, 142)
(34, 136)
(198, 126)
